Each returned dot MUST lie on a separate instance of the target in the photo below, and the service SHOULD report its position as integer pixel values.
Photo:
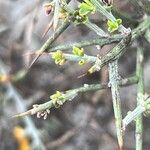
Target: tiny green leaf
(119, 21)
(84, 11)
(78, 51)
(113, 25)
(86, 7)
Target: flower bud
(48, 7)
(108, 2)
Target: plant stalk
(140, 97)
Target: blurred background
(87, 122)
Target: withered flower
(108, 2)
(48, 7)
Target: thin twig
(50, 40)
(71, 93)
(97, 41)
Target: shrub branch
(85, 88)
(101, 41)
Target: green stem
(140, 96)
(96, 29)
(93, 87)
(103, 10)
(72, 57)
(113, 79)
(97, 41)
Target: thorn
(29, 112)
(82, 75)
(121, 147)
(29, 53)
(47, 29)
(48, 8)
(36, 58)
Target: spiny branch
(101, 41)
(50, 40)
(85, 88)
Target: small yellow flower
(63, 14)
(82, 62)
(4, 78)
(59, 57)
(92, 70)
